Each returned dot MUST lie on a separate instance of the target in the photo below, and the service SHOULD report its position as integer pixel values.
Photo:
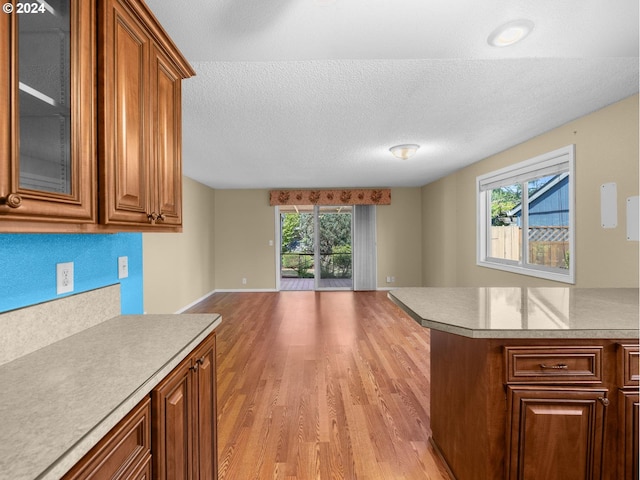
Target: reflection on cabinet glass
(44, 99)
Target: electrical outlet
(244, 281)
(123, 267)
(64, 278)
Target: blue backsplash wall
(28, 266)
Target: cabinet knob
(604, 400)
(160, 217)
(200, 361)
(193, 368)
(12, 200)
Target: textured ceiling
(311, 93)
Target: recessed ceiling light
(510, 33)
(404, 151)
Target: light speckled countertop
(58, 402)
(497, 312)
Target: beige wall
(179, 267)
(245, 223)
(426, 236)
(439, 231)
(606, 151)
(399, 239)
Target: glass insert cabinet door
(48, 167)
(44, 109)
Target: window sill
(530, 272)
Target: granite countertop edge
(479, 333)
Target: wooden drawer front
(628, 365)
(553, 365)
(123, 453)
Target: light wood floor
(321, 385)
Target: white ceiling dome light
(510, 33)
(404, 151)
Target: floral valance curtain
(352, 196)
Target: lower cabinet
(535, 409)
(123, 454)
(555, 433)
(170, 435)
(184, 419)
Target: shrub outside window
(535, 196)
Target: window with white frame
(526, 217)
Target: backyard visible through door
(315, 248)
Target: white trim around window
(558, 162)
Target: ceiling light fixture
(510, 33)
(404, 151)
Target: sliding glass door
(316, 248)
(333, 248)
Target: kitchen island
(532, 383)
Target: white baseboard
(195, 302)
(248, 290)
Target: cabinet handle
(604, 400)
(200, 361)
(13, 200)
(160, 217)
(560, 366)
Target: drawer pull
(560, 366)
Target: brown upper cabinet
(140, 72)
(91, 138)
(47, 135)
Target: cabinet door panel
(628, 432)
(47, 128)
(177, 418)
(205, 442)
(172, 413)
(166, 128)
(124, 159)
(555, 434)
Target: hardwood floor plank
(321, 385)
